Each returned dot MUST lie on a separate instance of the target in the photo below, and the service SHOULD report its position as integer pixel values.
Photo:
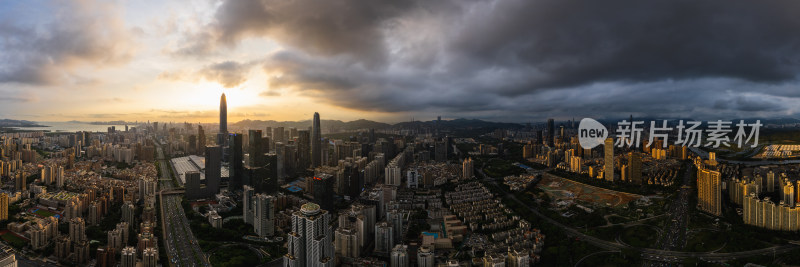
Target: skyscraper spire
(316, 146)
(222, 136)
(223, 114)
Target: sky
(499, 60)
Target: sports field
(564, 189)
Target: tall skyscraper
(236, 161)
(323, 190)
(213, 169)
(316, 149)
(223, 120)
(608, 149)
(247, 204)
(551, 128)
(264, 215)
(709, 187)
(310, 240)
(201, 140)
(255, 148)
(303, 149)
(635, 168)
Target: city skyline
(87, 60)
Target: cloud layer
(488, 57)
(77, 33)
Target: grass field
(12, 239)
(44, 213)
(559, 188)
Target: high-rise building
(635, 168)
(425, 256)
(550, 132)
(303, 149)
(128, 212)
(788, 193)
(347, 243)
(264, 215)
(77, 230)
(236, 161)
(316, 145)
(248, 196)
(201, 140)
(608, 149)
(518, 257)
(310, 240)
(323, 190)
(3, 206)
(255, 148)
(150, 257)
(213, 169)
(709, 187)
(223, 121)
(384, 238)
(128, 257)
(399, 256)
(467, 169)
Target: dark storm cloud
(228, 73)
(79, 33)
(512, 57)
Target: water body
(66, 126)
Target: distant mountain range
(368, 124)
(18, 123)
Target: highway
(181, 245)
(648, 254)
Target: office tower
(352, 180)
(384, 238)
(425, 256)
(3, 206)
(236, 158)
(303, 149)
(201, 140)
(150, 257)
(310, 240)
(213, 169)
(223, 120)
(278, 135)
(77, 230)
(316, 149)
(192, 185)
(550, 132)
(128, 257)
(467, 169)
(264, 219)
(255, 148)
(399, 256)
(347, 243)
(608, 149)
(267, 177)
(709, 196)
(323, 190)
(247, 204)
(635, 168)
